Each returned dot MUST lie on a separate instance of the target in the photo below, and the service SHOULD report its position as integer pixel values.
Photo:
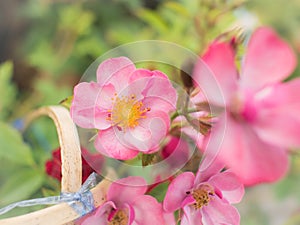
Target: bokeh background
(45, 47)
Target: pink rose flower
(128, 106)
(261, 119)
(205, 199)
(126, 204)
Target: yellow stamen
(202, 196)
(120, 218)
(126, 112)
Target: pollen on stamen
(126, 112)
(120, 218)
(202, 196)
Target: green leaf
(153, 19)
(67, 102)
(178, 8)
(7, 88)
(21, 186)
(159, 191)
(12, 147)
(50, 93)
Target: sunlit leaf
(67, 102)
(12, 147)
(21, 186)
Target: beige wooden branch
(71, 172)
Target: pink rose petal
(126, 190)
(110, 143)
(147, 210)
(177, 191)
(150, 131)
(219, 212)
(115, 71)
(230, 186)
(84, 103)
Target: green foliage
(50, 93)
(7, 89)
(12, 147)
(160, 191)
(21, 185)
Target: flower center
(202, 196)
(120, 218)
(126, 112)
(243, 107)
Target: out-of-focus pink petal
(195, 135)
(99, 217)
(110, 143)
(279, 128)
(231, 187)
(216, 73)
(150, 131)
(147, 210)
(219, 212)
(278, 120)
(251, 159)
(191, 216)
(115, 71)
(176, 153)
(283, 95)
(126, 190)
(268, 60)
(84, 103)
(177, 191)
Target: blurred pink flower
(128, 106)
(126, 204)
(176, 153)
(205, 199)
(261, 119)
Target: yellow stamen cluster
(126, 112)
(202, 196)
(120, 218)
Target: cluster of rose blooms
(251, 118)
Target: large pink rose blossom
(205, 198)
(126, 204)
(128, 106)
(261, 119)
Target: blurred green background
(47, 45)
